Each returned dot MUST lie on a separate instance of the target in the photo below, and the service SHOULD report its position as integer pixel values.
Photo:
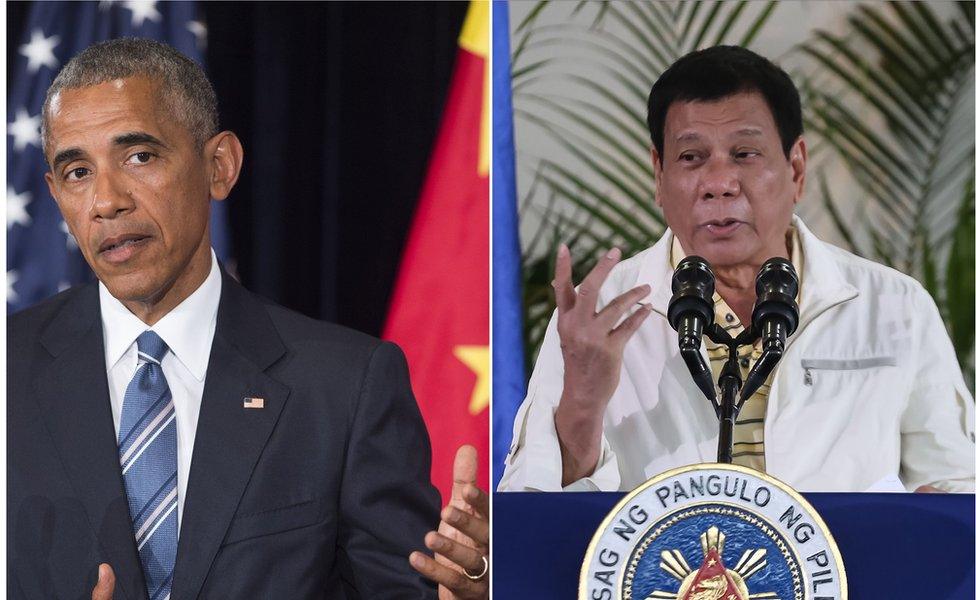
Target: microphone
(776, 314)
(775, 317)
(690, 311)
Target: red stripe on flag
(439, 311)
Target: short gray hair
(185, 90)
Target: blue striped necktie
(147, 453)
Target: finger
(105, 588)
(473, 526)
(616, 308)
(449, 578)
(562, 284)
(464, 556)
(475, 497)
(625, 330)
(592, 283)
(465, 472)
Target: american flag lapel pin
(253, 402)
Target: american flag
(42, 257)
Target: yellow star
(476, 359)
(711, 562)
(475, 38)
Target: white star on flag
(25, 129)
(17, 208)
(142, 10)
(12, 278)
(40, 51)
(70, 241)
(199, 30)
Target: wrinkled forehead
(741, 115)
(90, 115)
(137, 94)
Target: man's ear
(224, 155)
(798, 165)
(656, 164)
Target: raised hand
(460, 544)
(592, 345)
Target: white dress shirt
(868, 393)
(188, 331)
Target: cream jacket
(868, 394)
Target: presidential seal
(713, 532)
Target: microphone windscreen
(692, 287)
(777, 286)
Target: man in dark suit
(310, 461)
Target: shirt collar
(181, 328)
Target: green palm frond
(889, 95)
(960, 287)
(609, 55)
(894, 109)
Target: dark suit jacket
(323, 493)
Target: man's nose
(720, 179)
(111, 199)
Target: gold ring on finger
(479, 576)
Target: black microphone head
(777, 286)
(778, 274)
(692, 287)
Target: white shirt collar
(181, 328)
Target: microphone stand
(690, 313)
(730, 383)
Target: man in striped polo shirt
(868, 394)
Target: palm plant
(888, 99)
(893, 99)
(605, 174)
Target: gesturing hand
(461, 541)
(105, 588)
(592, 346)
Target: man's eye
(746, 154)
(76, 174)
(141, 158)
(687, 157)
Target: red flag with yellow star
(439, 311)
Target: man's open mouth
(722, 226)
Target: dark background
(337, 105)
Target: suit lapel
(229, 438)
(72, 391)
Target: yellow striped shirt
(748, 449)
